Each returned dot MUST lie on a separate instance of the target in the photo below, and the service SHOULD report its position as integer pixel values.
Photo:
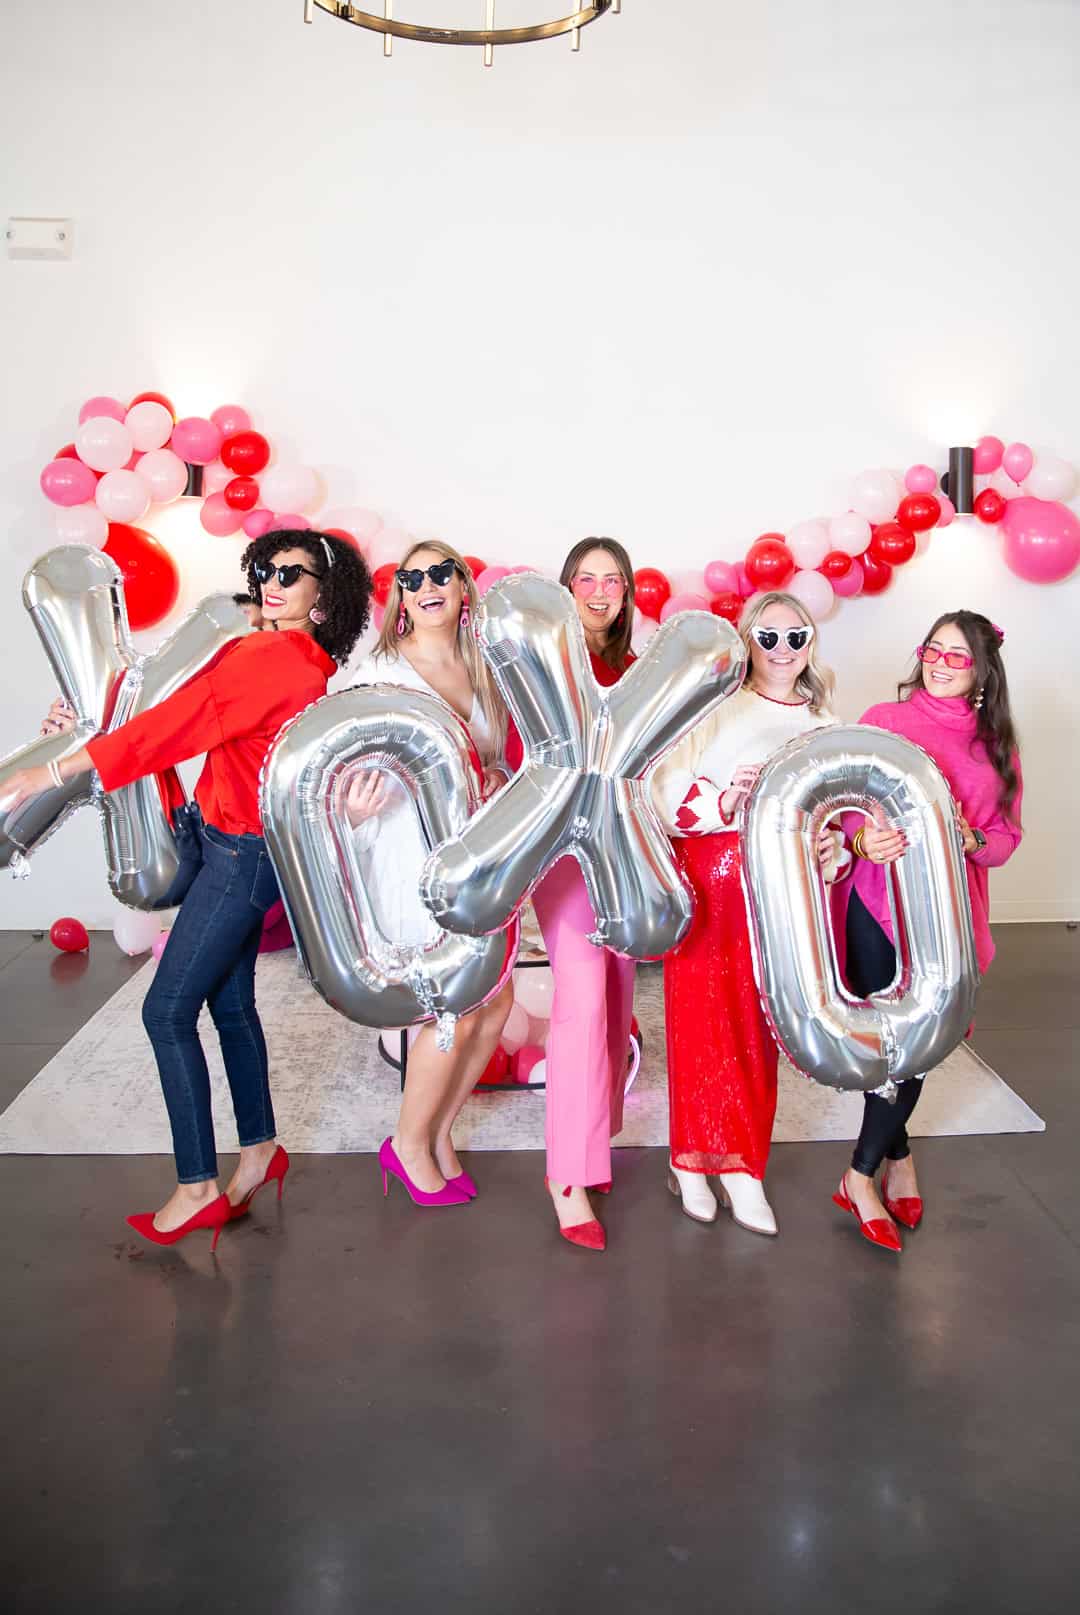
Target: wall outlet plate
(39, 238)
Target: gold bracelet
(856, 843)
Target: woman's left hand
(21, 786)
(967, 835)
(828, 845)
(494, 780)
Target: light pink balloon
(809, 543)
(230, 419)
(389, 546)
(988, 455)
(218, 518)
(1051, 479)
(643, 630)
(920, 479)
(82, 524)
(164, 473)
(257, 522)
(851, 583)
(850, 533)
(122, 496)
(490, 575)
(1041, 539)
(286, 519)
(157, 947)
(103, 443)
(1017, 461)
(814, 592)
(68, 482)
(102, 406)
(516, 1030)
(362, 524)
(513, 570)
(875, 495)
(150, 425)
(683, 602)
(196, 440)
(215, 477)
(721, 578)
(289, 487)
(948, 510)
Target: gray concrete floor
(361, 1406)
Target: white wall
(678, 288)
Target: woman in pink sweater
(955, 705)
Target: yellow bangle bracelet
(856, 844)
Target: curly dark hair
(989, 695)
(345, 595)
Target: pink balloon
(948, 510)
(745, 587)
(219, 518)
(68, 482)
(525, 1062)
(257, 522)
(920, 479)
(290, 487)
(513, 570)
(164, 473)
(1017, 461)
(988, 455)
(1042, 539)
(230, 419)
(814, 592)
(215, 477)
(516, 1030)
(721, 578)
(683, 602)
(157, 947)
(809, 543)
(122, 496)
(197, 440)
(103, 443)
(150, 425)
(102, 406)
(490, 575)
(82, 524)
(850, 533)
(851, 583)
(290, 519)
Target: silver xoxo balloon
(75, 598)
(582, 787)
(911, 1026)
(370, 977)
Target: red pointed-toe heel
(215, 1216)
(600, 1188)
(879, 1230)
(589, 1235)
(907, 1210)
(275, 1173)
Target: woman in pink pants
(594, 988)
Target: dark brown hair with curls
(345, 587)
(994, 721)
(617, 649)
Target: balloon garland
(125, 459)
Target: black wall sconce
(194, 486)
(958, 483)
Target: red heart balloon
(877, 575)
(727, 605)
(652, 591)
(990, 506)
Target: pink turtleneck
(945, 727)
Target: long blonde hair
(815, 682)
(388, 644)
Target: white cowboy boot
(692, 1189)
(745, 1197)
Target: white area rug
(334, 1094)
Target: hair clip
(1000, 632)
(327, 551)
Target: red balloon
(242, 493)
(769, 562)
(154, 398)
(727, 605)
(837, 564)
(990, 506)
(246, 453)
(652, 591)
(151, 581)
(877, 575)
(918, 512)
(69, 935)
(381, 579)
(892, 544)
(346, 538)
(497, 1068)
(475, 565)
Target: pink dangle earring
(464, 619)
(316, 614)
(401, 620)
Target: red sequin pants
(721, 1056)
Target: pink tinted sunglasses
(613, 585)
(956, 659)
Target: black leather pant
(871, 964)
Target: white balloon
(850, 533)
(150, 425)
(388, 547)
(515, 1033)
(814, 592)
(122, 496)
(136, 931)
(809, 543)
(103, 443)
(1050, 478)
(538, 1074)
(534, 990)
(164, 474)
(875, 495)
(289, 487)
(81, 524)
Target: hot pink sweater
(945, 727)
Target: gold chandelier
(485, 38)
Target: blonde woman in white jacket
(427, 643)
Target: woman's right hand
(743, 781)
(61, 718)
(881, 845)
(366, 796)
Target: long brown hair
(388, 644)
(617, 646)
(815, 682)
(989, 694)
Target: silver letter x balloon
(582, 787)
(75, 597)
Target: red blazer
(231, 711)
